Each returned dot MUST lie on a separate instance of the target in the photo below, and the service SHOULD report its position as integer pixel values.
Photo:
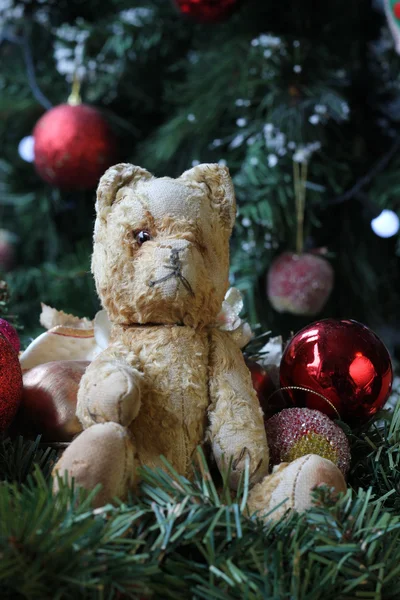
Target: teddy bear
(170, 380)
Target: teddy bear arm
(110, 389)
(236, 428)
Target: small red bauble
(7, 250)
(73, 146)
(8, 331)
(263, 386)
(396, 10)
(299, 283)
(206, 11)
(295, 432)
(344, 362)
(10, 383)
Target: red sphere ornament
(8, 331)
(206, 11)
(295, 432)
(264, 387)
(10, 383)
(299, 283)
(73, 146)
(7, 250)
(346, 367)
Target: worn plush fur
(170, 380)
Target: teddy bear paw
(291, 486)
(109, 393)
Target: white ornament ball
(386, 224)
(26, 148)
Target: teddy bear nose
(177, 245)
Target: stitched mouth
(173, 275)
(175, 268)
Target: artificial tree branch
(379, 166)
(30, 68)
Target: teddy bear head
(161, 245)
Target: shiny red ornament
(10, 383)
(299, 284)
(265, 388)
(396, 10)
(74, 145)
(8, 331)
(295, 432)
(207, 11)
(345, 363)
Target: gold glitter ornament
(312, 443)
(295, 432)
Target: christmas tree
(268, 91)
(300, 101)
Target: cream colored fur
(170, 380)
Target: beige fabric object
(103, 454)
(290, 486)
(169, 379)
(236, 419)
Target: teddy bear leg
(290, 486)
(103, 454)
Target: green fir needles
(182, 539)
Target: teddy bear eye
(142, 237)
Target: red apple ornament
(299, 283)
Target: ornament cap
(74, 99)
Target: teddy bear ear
(113, 180)
(220, 187)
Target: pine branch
(183, 539)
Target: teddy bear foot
(103, 454)
(290, 486)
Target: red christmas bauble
(299, 283)
(345, 363)
(206, 11)
(8, 331)
(7, 250)
(10, 383)
(263, 386)
(73, 146)
(295, 432)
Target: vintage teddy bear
(170, 380)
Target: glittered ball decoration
(10, 383)
(206, 11)
(73, 146)
(299, 284)
(8, 331)
(295, 432)
(344, 364)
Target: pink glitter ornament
(8, 331)
(295, 432)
